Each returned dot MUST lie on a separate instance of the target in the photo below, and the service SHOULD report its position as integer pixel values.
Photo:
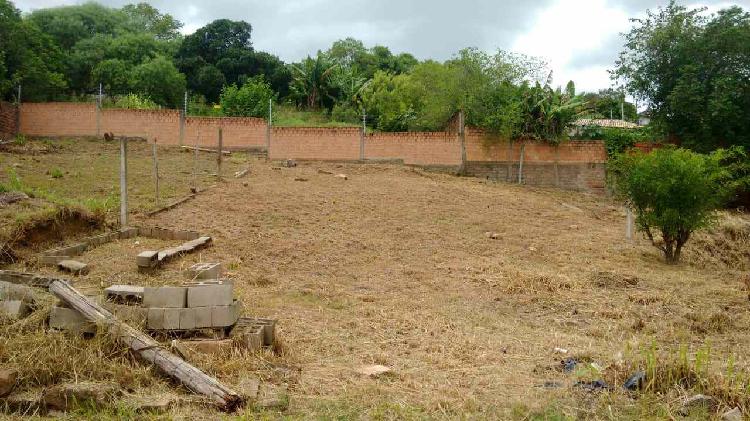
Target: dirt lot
(393, 266)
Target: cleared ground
(393, 267)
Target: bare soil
(393, 266)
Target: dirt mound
(43, 231)
(727, 243)
(605, 279)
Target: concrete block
(161, 233)
(147, 259)
(72, 250)
(164, 318)
(70, 320)
(129, 232)
(165, 297)
(187, 319)
(249, 337)
(128, 313)
(52, 260)
(14, 309)
(205, 271)
(100, 239)
(145, 231)
(12, 292)
(187, 235)
(202, 317)
(225, 316)
(268, 325)
(7, 381)
(209, 295)
(73, 266)
(124, 294)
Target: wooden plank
(196, 148)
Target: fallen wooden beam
(140, 343)
(196, 148)
(240, 174)
(171, 205)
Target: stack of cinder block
(15, 300)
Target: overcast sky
(579, 38)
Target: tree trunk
(148, 349)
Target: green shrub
(135, 102)
(672, 191)
(56, 173)
(346, 114)
(251, 100)
(737, 164)
(616, 140)
(20, 140)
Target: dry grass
(392, 267)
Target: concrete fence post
(99, 112)
(509, 160)
(362, 134)
(18, 112)
(557, 170)
(269, 125)
(182, 127)
(218, 160)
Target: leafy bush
(56, 173)
(674, 191)
(135, 102)
(251, 100)
(345, 114)
(616, 140)
(736, 162)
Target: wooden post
(218, 159)
(520, 163)
(462, 138)
(156, 172)
(557, 169)
(147, 348)
(195, 165)
(123, 182)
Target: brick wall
(7, 120)
(163, 125)
(415, 148)
(58, 119)
(571, 165)
(237, 132)
(332, 144)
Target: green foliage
(113, 74)
(143, 17)
(251, 100)
(672, 191)
(134, 102)
(736, 162)
(609, 103)
(345, 114)
(616, 140)
(310, 81)
(56, 173)
(160, 80)
(691, 69)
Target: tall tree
(145, 18)
(693, 72)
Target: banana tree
(310, 80)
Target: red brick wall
(58, 119)
(7, 120)
(163, 125)
(415, 148)
(237, 132)
(478, 148)
(334, 144)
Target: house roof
(601, 122)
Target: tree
(214, 41)
(114, 75)
(251, 100)
(310, 80)
(27, 57)
(673, 192)
(609, 103)
(69, 24)
(159, 80)
(692, 71)
(143, 17)
(209, 81)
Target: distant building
(603, 122)
(644, 118)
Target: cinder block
(268, 325)
(164, 318)
(202, 317)
(12, 292)
(225, 316)
(249, 337)
(73, 266)
(209, 295)
(124, 294)
(70, 320)
(129, 232)
(14, 309)
(187, 319)
(165, 297)
(128, 313)
(205, 271)
(52, 260)
(147, 259)
(145, 232)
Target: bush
(616, 140)
(135, 102)
(737, 164)
(251, 100)
(345, 114)
(673, 191)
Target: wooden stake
(218, 159)
(195, 166)
(123, 182)
(156, 173)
